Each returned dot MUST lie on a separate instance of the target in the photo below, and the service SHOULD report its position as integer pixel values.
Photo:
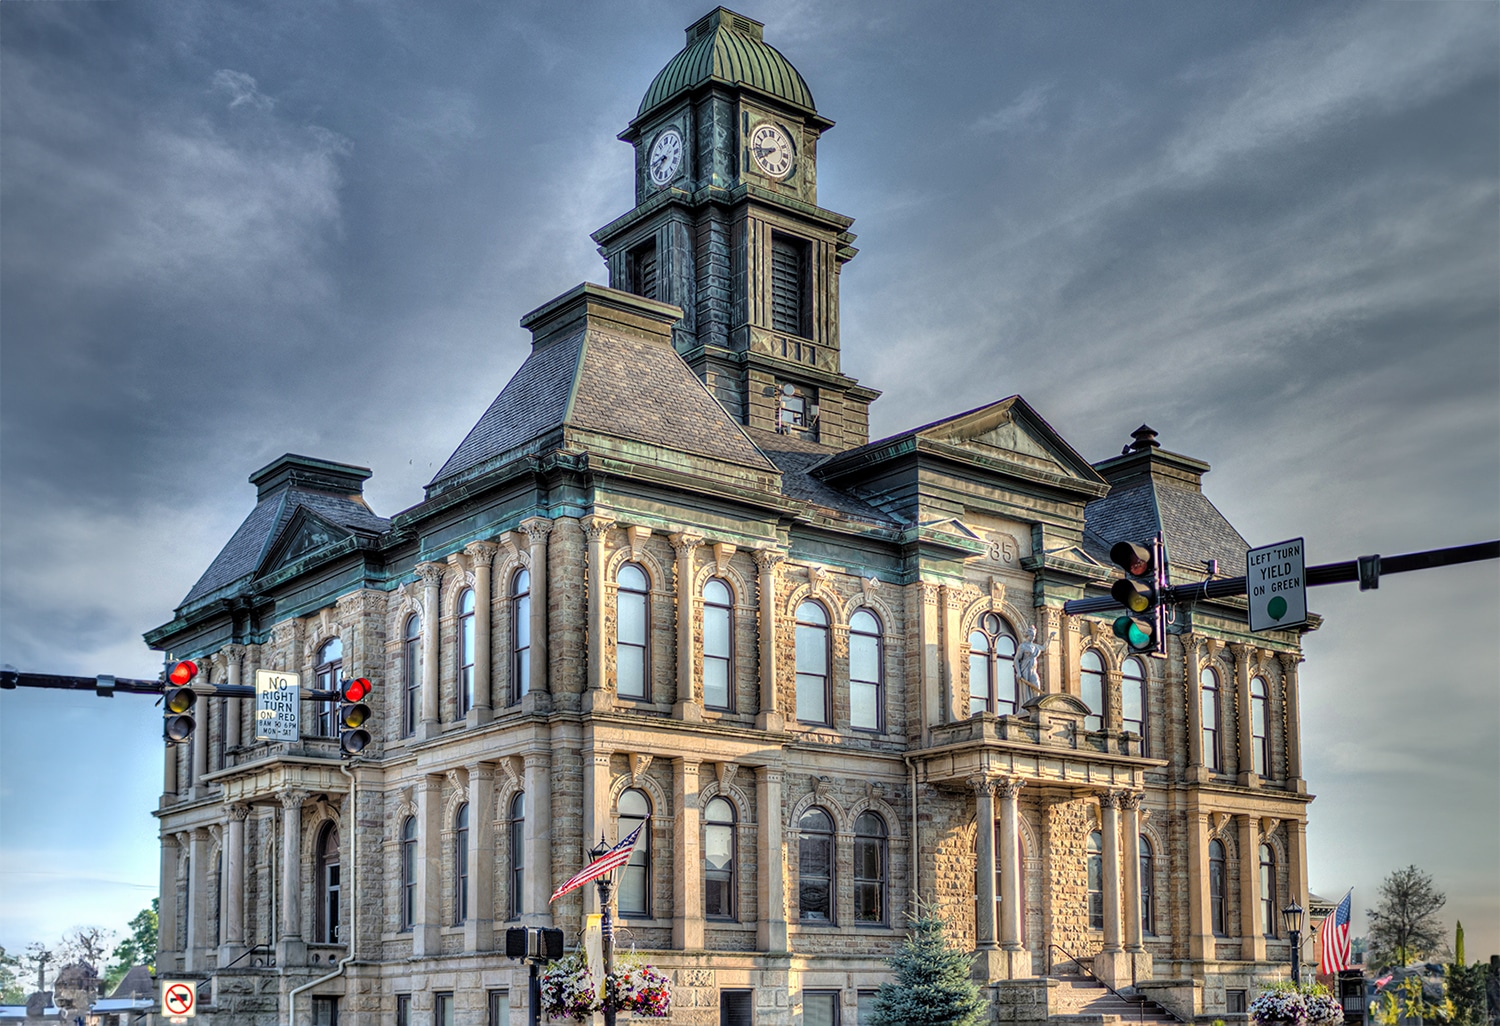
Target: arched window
(813, 698)
(1148, 887)
(1133, 701)
(1091, 686)
(635, 883)
(411, 675)
(718, 860)
(871, 869)
(1216, 896)
(1096, 880)
(1268, 905)
(1260, 704)
(520, 634)
(718, 644)
(518, 855)
(631, 619)
(408, 872)
(866, 673)
(327, 884)
(815, 866)
(330, 667)
(1208, 682)
(992, 667)
(461, 864)
(465, 652)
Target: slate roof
(245, 550)
(1194, 529)
(137, 981)
(796, 459)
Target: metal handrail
(246, 954)
(1139, 1000)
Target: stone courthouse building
(668, 576)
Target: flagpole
(606, 887)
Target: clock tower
(727, 226)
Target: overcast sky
(1269, 230)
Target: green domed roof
(727, 47)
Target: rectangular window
(325, 1011)
(789, 306)
(499, 1008)
(820, 1008)
(442, 1008)
(736, 1008)
(1234, 1002)
(866, 1007)
(797, 411)
(403, 1010)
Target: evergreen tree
(933, 986)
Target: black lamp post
(606, 885)
(1291, 916)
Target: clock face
(772, 150)
(666, 156)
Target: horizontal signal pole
(1366, 569)
(105, 685)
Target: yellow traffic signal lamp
(1143, 627)
(353, 714)
(177, 703)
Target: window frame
(327, 673)
(1091, 668)
(1147, 855)
(411, 674)
(464, 685)
(328, 893)
(728, 874)
(1260, 717)
(497, 1006)
(724, 610)
(1095, 881)
(820, 636)
(835, 999)
(800, 299)
(520, 634)
(1269, 911)
(877, 639)
(408, 873)
(328, 1006)
(461, 864)
(517, 897)
(641, 861)
(442, 1001)
(880, 883)
(806, 837)
(992, 629)
(1136, 683)
(403, 1010)
(1218, 892)
(643, 596)
(1212, 733)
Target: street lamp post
(606, 885)
(1291, 916)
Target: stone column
(929, 640)
(1200, 923)
(428, 921)
(1192, 666)
(1296, 865)
(1252, 932)
(1011, 898)
(770, 930)
(169, 774)
(1245, 760)
(595, 813)
(290, 948)
(689, 705)
(595, 529)
(984, 844)
(1109, 828)
(687, 858)
(538, 842)
(1292, 714)
(953, 672)
(232, 900)
(432, 579)
(167, 941)
(537, 529)
(1130, 805)
(233, 707)
(479, 916)
(771, 717)
(199, 743)
(482, 556)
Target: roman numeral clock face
(666, 157)
(772, 150)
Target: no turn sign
(179, 998)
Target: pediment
(304, 534)
(1010, 431)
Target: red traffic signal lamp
(353, 714)
(178, 701)
(1143, 627)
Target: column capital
(1240, 650)
(430, 573)
(1289, 661)
(983, 786)
(1110, 799)
(292, 800)
(232, 651)
(481, 771)
(481, 552)
(536, 528)
(1009, 787)
(238, 812)
(682, 542)
(1130, 801)
(767, 560)
(596, 526)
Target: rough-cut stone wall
(1066, 828)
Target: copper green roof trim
(727, 47)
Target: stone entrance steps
(1079, 996)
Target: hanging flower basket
(1287, 1004)
(569, 990)
(641, 988)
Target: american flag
(608, 862)
(1333, 939)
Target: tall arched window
(631, 619)
(635, 883)
(1091, 687)
(1268, 905)
(408, 872)
(815, 866)
(1148, 887)
(866, 672)
(1208, 686)
(814, 703)
(518, 855)
(330, 667)
(718, 860)
(718, 644)
(465, 652)
(1260, 704)
(411, 675)
(461, 864)
(327, 884)
(992, 667)
(1096, 880)
(520, 634)
(1133, 701)
(871, 869)
(1216, 896)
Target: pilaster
(482, 556)
(687, 882)
(771, 717)
(770, 931)
(432, 579)
(689, 705)
(479, 916)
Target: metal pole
(1296, 957)
(534, 991)
(607, 945)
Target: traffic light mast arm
(1327, 573)
(17, 679)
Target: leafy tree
(1404, 924)
(11, 991)
(933, 986)
(88, 944)
(138, 948)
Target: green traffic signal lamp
(1138, 635)
(353, 714)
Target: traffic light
(1143, 627)
(353, 715)
(178, 701)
